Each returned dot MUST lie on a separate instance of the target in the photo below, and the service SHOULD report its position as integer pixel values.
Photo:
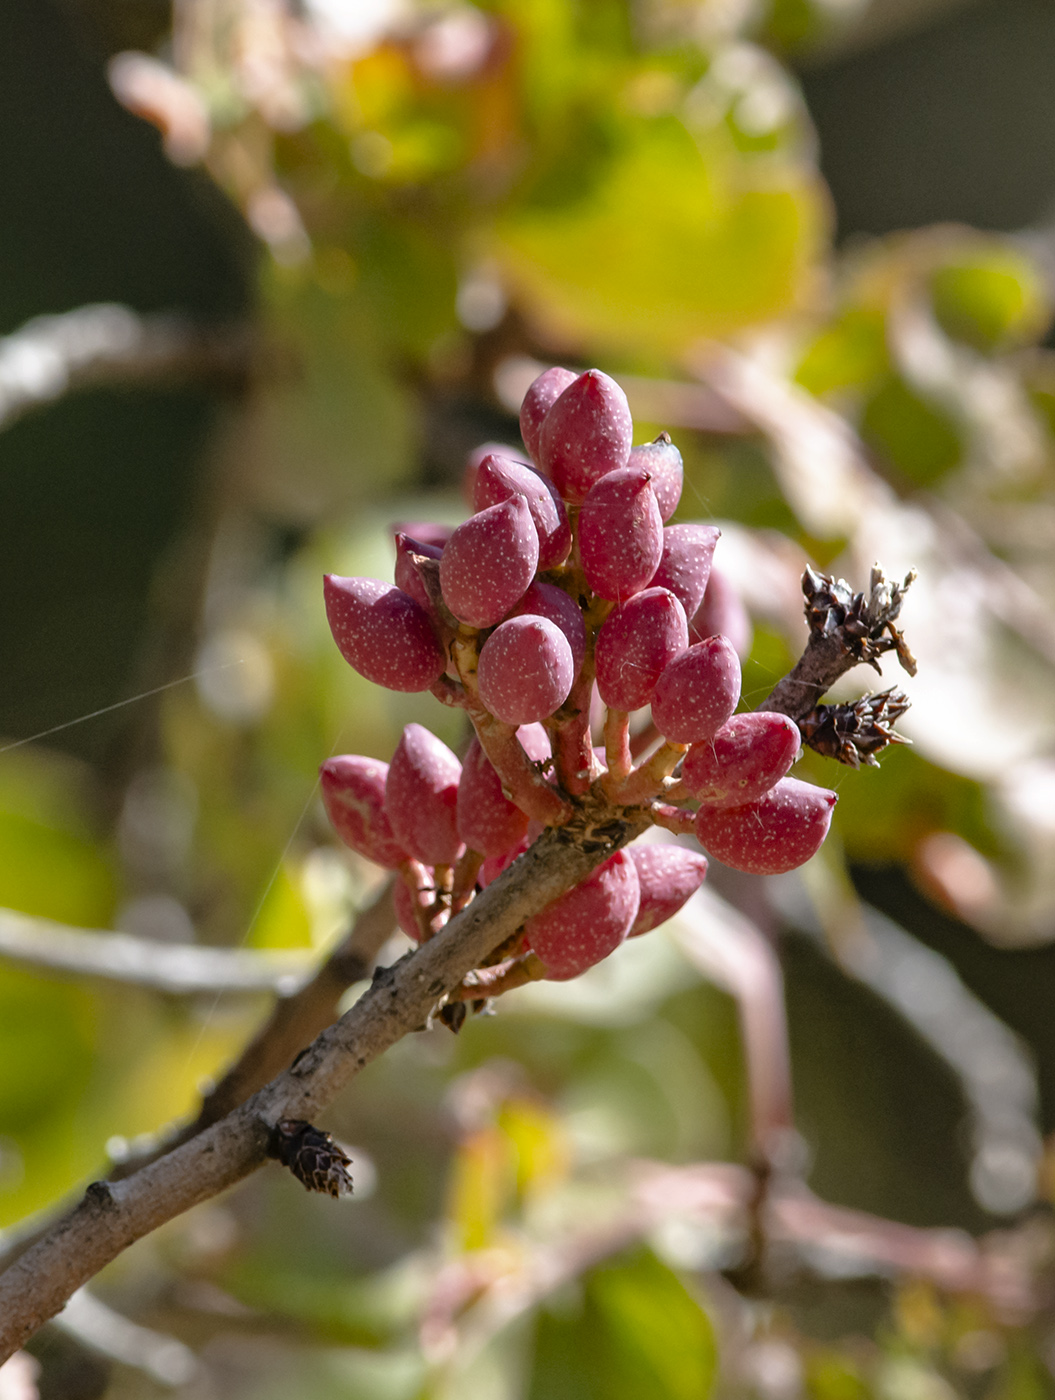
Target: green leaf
(483, 1177)
(914, 435)
(884, 813)
(674, 243)
(851, 354)
(47, 1036)
(991, 300)
(1022, 1377)
(284, 920)
(639, 1332)
(832, 1376)
(53, 874)
(366, 1311)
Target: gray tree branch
(294, 1022)
(111, 1216)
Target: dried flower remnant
(312, 1155)
(855, 732)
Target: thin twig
(479, 1295)
(180, 969)
(110, 344)
(488, 982)
(403, 998)
(164, 1359)
(296, 1020)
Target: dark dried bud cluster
(313, 1157)
(865, 621)
(855, 732)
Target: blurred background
(270, 270)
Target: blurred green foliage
(635, 1330)
(537, 180)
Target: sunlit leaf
(47, 1034)
(53, 874)
(538, 1142)
(637, 1332)
(832, 1376)
(284, 920)
(912, 433)
(995, 298)
(671, 245)
(483, 1176)
(850, 354)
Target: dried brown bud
(854, 733)
(866, 623)
(312, 1156)
(453, 1014)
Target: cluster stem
(617, 755)
(647, 779)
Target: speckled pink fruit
(488, 821)
(383, 633)
(477, 455)
(668, 876)
(723, 613)
(421, 795)
(779, 831)
(686, 563)
(588, 922)
(404, 900)
(637, 643)
(747, 756)
(697, 692)
(407, 576)
(488, 563)
(526, 670)
(493, 866)
(620, 534)
(662, 460)
(353, 792)
(549, 601)
(498, 479)
(586, 434)
(537, 402)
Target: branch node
(313, 1157)
(100, 1196)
